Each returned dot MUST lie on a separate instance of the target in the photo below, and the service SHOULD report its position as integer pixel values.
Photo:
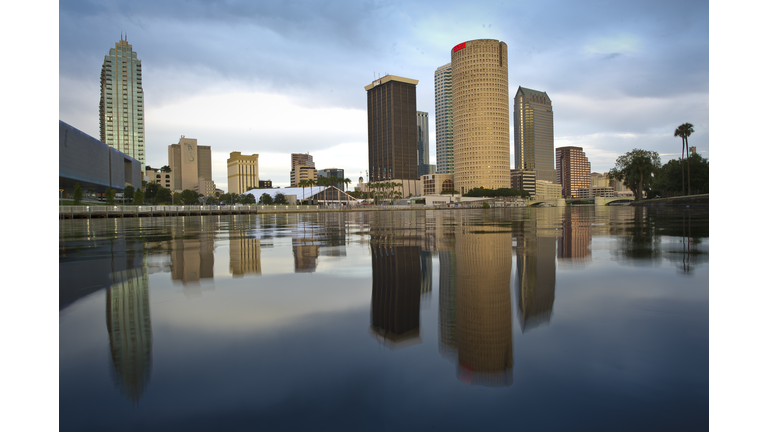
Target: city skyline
(616, 76)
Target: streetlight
(60, 194)
(172, 194)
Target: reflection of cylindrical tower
(395, 298)
(130, 331)
(480, 115)
(484, 308)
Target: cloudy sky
(281, 77)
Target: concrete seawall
(698, 201)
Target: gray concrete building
(85, 160)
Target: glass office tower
(121, 108)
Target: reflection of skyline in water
(484, 308)
(395, 297)
(535, 283)
(130, 331)
(192, 261)
(573, 244)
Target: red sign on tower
(460, 46)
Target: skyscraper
(302, 168)
(191, 166)
(534, 134)
(422, 142)
(572, 170)
(121, 107)
(444, 119)
(480, 115)
(392, 132)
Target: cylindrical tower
(480, 115)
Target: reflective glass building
(444, 119)
(534, 134)
(121, 108)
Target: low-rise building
(435, 184)
(548, 190)
(523, 180)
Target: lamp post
(61, 191)
(172, 194)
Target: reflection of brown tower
(484, 308)
(577, 236)
(244, 255)
(130, 331)
(395, 300)
(535, 281)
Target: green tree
(684, 131)
(280, 199)
(667, 179)
(165, 169)
(266, 199)
(150, 192)
(635, 169)
(128, 192)
(138, 197)
(246, 199)
(188, 196)
(163, 195)
(109, 194)
(78, 194)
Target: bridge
(562, 202)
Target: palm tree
(684, 131)
(347, 181)
(310, 183)
(302, 184)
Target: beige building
(189, 164)
(435, 184)
(302, 172)
(242, 172)
(164, 179)
(548, 190)
(302, 168)
(594, 191)
(480, 115)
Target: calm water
(529, 319)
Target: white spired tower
(121, 108)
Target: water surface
(576, 318)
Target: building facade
(523, 180)
(572, 170)
(190, 164)
(302, 168)
(444, 119)
(392, 131)
(435, 184)
(242, 172)
(422, 142)
(480, 115)
(164, 179)
(534, 134)
(335, 173)
(121, 106)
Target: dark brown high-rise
(392, 132)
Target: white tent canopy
(316, 193)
